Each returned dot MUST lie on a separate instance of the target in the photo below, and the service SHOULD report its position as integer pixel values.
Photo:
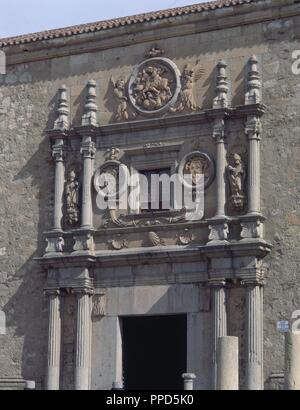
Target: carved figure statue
(188, 78)
(72, 199)
(120, 94)
(236, 174)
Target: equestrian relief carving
(155, 87)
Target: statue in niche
(72, 199)
(152, 87)
(120, 94)
(236, 175)
(186, 99)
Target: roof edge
(122, 21)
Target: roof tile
(108, 24)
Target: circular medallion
(194, 164)
(111, 179)
(154, 86)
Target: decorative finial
(91, 109)
(254, 85)
(62, 120)
(221, 100)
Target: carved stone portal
(154, 86)
(236, 175)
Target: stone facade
(150, 96)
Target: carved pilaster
(254, 334)
(253, 132)
(83, 339)
(89, 118)
(221, 100)
(54, 340)
(254, 85)
(62, 120)
(219, 137)
(219, 320)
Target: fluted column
(83, 340)
(219, 321)
(254, 336)
(54, 341)
(58, 155)
(88, 154)
(253, 131)
(219, 137)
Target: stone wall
(27, 103)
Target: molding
(159, 254)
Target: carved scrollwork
(155, 240)
(118, 243)
(186, 237)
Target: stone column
(83, 340)
(88, 153)
(54, 341)
(228, 363)
(58, 155)
(253, 131)
(219, 137)
(219, 321)
(188, 381)
(254, 336)
(292, 361)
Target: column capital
(58, 152)
(248, 283)
(88, 150)
(83, 291)
(218, 133)
(52, 292)
(253, 127)
(215, 284)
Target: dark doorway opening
(154, 352)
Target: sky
(27, 16)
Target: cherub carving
(189, 77)
(120, 95)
